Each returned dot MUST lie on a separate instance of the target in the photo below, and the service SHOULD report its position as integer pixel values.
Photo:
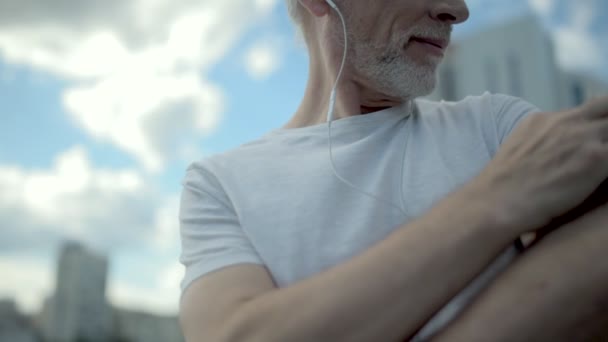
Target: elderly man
(396, 219)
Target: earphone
(332, 97)
(330, 117)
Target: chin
(428, 89)
(400, 79)
(414, 87)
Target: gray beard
(390, 72)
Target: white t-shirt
(276, 202)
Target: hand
(549, 165)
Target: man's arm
(596, 200)
(386, 293)
(557, 291)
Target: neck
(353, 97)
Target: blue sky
(102, 109)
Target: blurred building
(516, 58)
(78, 310)
(578, 88)
(135, 326)
(15, 327)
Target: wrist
(500, 214)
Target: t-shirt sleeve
(510, 111)
(210, 232)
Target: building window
(578, 94)
(448, 83)
(515, 82)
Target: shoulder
(483, 103)
(211, 169)
(471, 111)
(244, 150)
(491, 117)
(491, 110)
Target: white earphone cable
(330, 116)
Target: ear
(318, 8)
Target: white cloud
(97, 41)
(583, 14)
(26, 280)
(577, 50)
(72, 195)
(542, 7)
(170, 277)
(265, 6)
(263, 58)
(112, 211)
(145, 114)
(160, 297)
(136, 65)
(107, 209)
(577, 47)
(166, 224)
(61, 51)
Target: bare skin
(556, 292)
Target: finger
(599, 129)
(596, 108)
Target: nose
(450, 11)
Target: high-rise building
(517, 58)
(578, 88)
(78, 310)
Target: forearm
(387, 292)
(555, 292)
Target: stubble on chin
(391, 72)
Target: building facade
(578, 88)
(78, 310)
(515, 58)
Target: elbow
(236, 329)
(249, 321)
(250, 325)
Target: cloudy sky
(103, 104)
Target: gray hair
(295, 13)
